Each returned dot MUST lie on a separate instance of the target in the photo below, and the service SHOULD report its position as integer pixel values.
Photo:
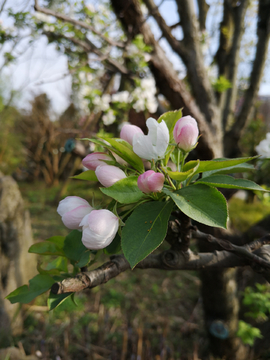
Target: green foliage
(243, 214)
(222, 84)
(248, 333)
(258, 301)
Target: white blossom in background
(108, 118)
(47, 27)
(263, 148)
(122, 97)
(42, 17)
(91, 8)
(145, 96)
(83, 103)
(102, 103)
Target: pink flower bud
(73, 209)
(99, 229)
(108, 174)
(92, 161)
(150, 181)
(128, 131)
(186, 133)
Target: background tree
(77, 32)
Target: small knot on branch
(170, 258)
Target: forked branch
(176, 260)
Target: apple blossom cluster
(99, 227)
(142, 98)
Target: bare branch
(263, 32)
(203, 10)
(231, 33)
(77, 23)
(176, 45)
(242, 251)
(89, 47)
(177, 260)
(197, 74)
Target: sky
(41, 68)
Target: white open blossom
(153, 145)
(108, 118)
(263, 148)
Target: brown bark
(263, 33)
(231, 32)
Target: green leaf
(201, 203)
(125, 191)
(230, 170)
(73, 246)
(122, 149)
(89, 175)
(60, 263)
(218, 164)
(145, 230)
(45, 248)
(170, 118)
(58, 240)
(37, 286)
(183, 175)
(55, 300)
(84, 260)
(229, 182)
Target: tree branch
(193, 59)
(263, 32)
(203, 10)
(89, 47)
(231, 33)
(167, 79)
(176, 45)
(77, 23)
(235, 256)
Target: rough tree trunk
(17, 266)
(211, 145)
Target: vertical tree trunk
(218, 288)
